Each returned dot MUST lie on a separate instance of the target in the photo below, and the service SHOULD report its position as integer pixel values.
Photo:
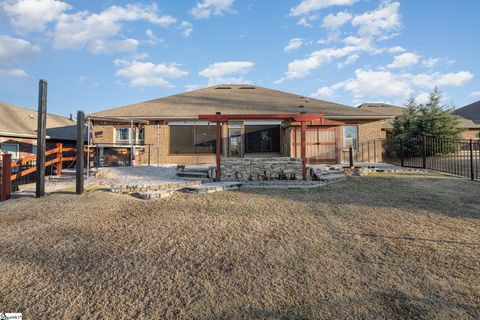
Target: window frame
(195, 141)
(354, 141)
(276, 147)
(11, 144)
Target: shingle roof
(471, 111)
(21, 121)
(383, 108)
(392, 110)
(232, 99)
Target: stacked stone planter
(261, 169)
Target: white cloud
(13, 50)
(396, 49)
(382, 83)
(422, 97)
(191, 87)
(377, 83)
(431, 62)
(187, 28)
(378, 22)
(350, 60)
(227, 72)
(304, 22)
(308, 6)
(474, 94)
(204, 9)
(302, 67)
(404, 60)
(33, 15)
(148, 74)
(335, 21)
(108, 46)
(96, 30)
(294, 44)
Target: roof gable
(22, 121)
(232, 99)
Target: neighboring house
(471, 128)
(471, 114)
(168, 130)
(18, 131)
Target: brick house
(471, 114)
(179, 129)
(18, 131)
(471, 128)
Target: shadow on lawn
(449, 196)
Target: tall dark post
(402, 152)
(350, 156)
(424, 152)
(80, 150)
(472, 173)
(41, 138)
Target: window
(34, 149)
(141, 136)
(350, 136)
(262, 138)
(10, 148)
(192, 139)
(122, 135)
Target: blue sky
(102, 54)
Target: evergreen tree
(427, 119)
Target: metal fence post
(424, 152)
(6, 177)
(472, 174)
(402, 153)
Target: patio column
(303, 148)
(218, 150)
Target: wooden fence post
(6, 177)
(472, 173)
(41, 138)
(80, 151)
(59, 157)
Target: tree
(429, 119)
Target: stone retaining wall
(260, 169)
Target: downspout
(158, 142)
(131, 143)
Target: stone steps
(212, 187)
(332, 177)
(192, 174)
(153, 194)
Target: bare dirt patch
(397, 247)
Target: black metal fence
(459, 157)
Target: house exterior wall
(157, 143)
(471, 134)
(25, 145)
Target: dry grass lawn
(396, 247)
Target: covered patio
(303, 121)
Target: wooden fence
(55, 157)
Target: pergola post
(303, 148)
(218, 151)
